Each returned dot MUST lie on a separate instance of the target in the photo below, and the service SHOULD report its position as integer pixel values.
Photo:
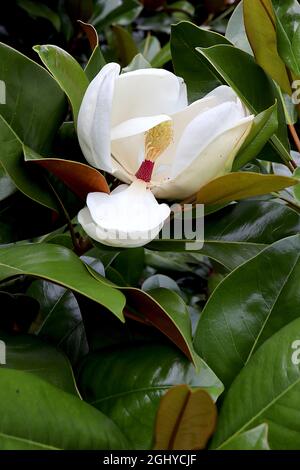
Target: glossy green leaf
(240, 231)
(132, 402)
(161, 281)
(260, 24)
(255, 439)
(199, 76)
(24, 179)
(96, 60)
(60, 321)
(61, 266)
(67, 72)
(130, 264)
(242, 185)
(287, 22)
(185, 420)
(28, 110)
(28, 353)
(250, 82)
(233, 326)
(28, 116)
(266, 391)
(58, 420)
(264, 126)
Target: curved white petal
(147, 92)
(202, 131)
(128, 141)
(180, 122)
(94, 119)
(215, 160)
(129, 216)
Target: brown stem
(296, 140)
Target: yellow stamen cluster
(158, 140)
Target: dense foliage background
(95, 337)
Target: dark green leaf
(28, 353)
(58, 420)
(67, 72)
(233, 326)
(191, 66)
(266, 391)
(250, 82)
(132, 402)
(60, 321)
(61, 266)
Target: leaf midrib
(246, 425)
(272, 308)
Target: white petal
(147, 92)
(202, 131)
(94, 119)
(215, 160)
(224, 93)
(128, 144)
(180, 122)
(129, 216)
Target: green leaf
(268, 299)
(240, 232)
(161, 281)
(242, 185)
(41, 11)
(266, 391)
(132, 402)
(60, 321)
(130, 264)
(185, 419)
(161, 308)
(260, 24)
(58, 420)
(162, 57)
(31, 354)
(236, 32)
(250, 82)
(125, 44)
(12, 160)
(255, 439)
(191, 66)
(28, 110)
(95, 63)
(67, 72)
(296, 188)
(28, 116)
(107, 13)
(287, 22)
(137, 63)
(61, 266)
(150, 47)
(264, 126)
(97, 60)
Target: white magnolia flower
(139, 127)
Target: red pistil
(145, 171)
